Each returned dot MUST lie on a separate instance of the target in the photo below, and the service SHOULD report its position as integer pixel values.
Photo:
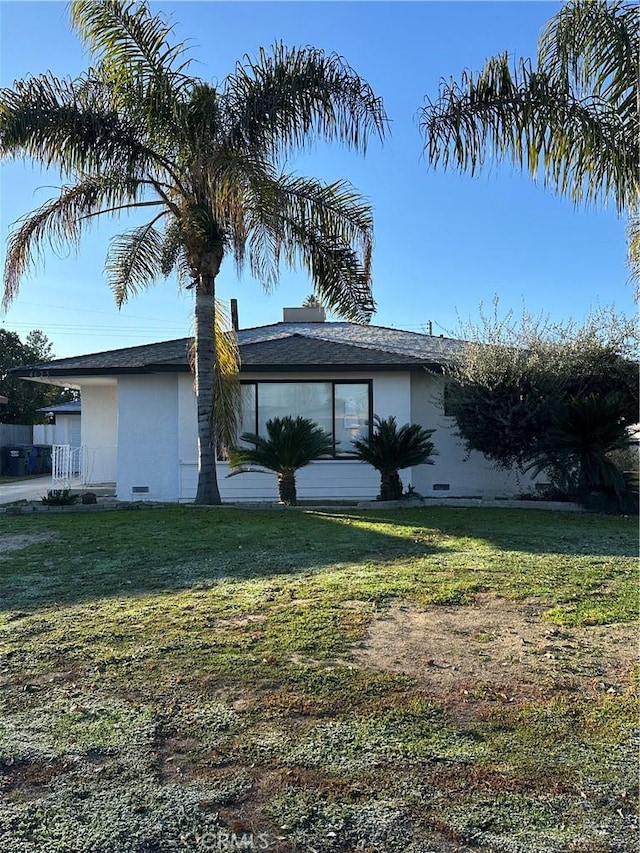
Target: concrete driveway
(24, 490)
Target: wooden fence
(15, 434)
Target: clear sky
(444, 242)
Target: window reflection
(352, 414)
(341, 408)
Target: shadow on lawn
(533, 531)
(127, 553)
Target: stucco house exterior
(138, 421)
(63, 426)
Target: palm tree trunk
(287, 487)
(208, 492)
(390, 486)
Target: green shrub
(392, 448)
(59, 497)
(291, 444)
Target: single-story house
(138, 421)
(63, 426)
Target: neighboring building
(63, 426)
(139, 414)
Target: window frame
(340, 455)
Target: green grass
(169, 674)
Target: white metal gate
(67, 465)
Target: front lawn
(415, 680)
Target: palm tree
(576, 447)
(138, 132)
(574, 120)
(291, 444)
(390, 449)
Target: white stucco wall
(148, 438)
(392, 396)
(99, 431)
(467, 475)
(187, 420)
(66, 430)
(322, 480)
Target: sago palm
(392, 448)
(577, 446)
(291, 444)
(138, 132)
(573, 121)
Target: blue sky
(444, 242)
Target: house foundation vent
(441, 487)
(139, 490)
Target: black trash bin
(15, 462)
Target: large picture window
(341, 408)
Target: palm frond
(261, 458)
(204, 118)
(392, 448)
(60, 222)
(172, 255)
(573, 122)
(289, 97)
(577, 146)
(633, 243)
(596, 45)
(290, 444)
(341, 277)
(144, 71)
(134, 260)
(583, 432)
(124, 34)
(226, 378)
(326, 227)
(329, 208)
(72, 125)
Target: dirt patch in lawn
(17, 542)
(497, 651)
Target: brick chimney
(234, 315)
(304, 315)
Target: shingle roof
(418, 346)
(142, 359)
(285, 346)
(72, 408)
(297, 351)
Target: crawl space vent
(140, 490)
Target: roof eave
(335, 368)
(60, 373)
(36, 375)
